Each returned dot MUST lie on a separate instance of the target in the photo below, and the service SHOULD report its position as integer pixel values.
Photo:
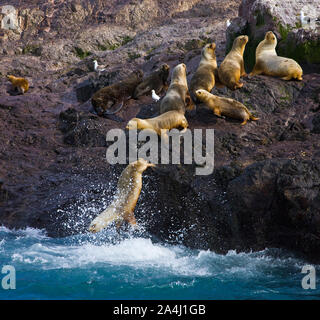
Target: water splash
(90, 266)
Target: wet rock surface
(264, 191)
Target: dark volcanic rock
(81, 129)
(316, 123)
(276, 204)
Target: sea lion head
(132, 124)
(165, 69)
(201, 94)
(240, 42)
(179, 73)
(10, 77)
(141, 164)
(209, 51)
(271, 38)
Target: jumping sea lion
(128, 190)
(20, 84)
(232, 67)
(225, 106)
(156, 81)
(204, 77)
(177, 96)
(166, 121)
(107, 97)
(269, 63)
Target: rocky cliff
(264, 191)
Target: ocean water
(134, 267)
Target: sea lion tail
(130, 218)
(251, 117)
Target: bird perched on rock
(155, 97)
(228, 23)
(304, 20)
(98, 68)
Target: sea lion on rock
(20, 84)
(269, 63)
(107, 97)
(156, 81)
(128, 190)
(225, 106)
(166, 121)
(177, 96)
(204, 77)
(232, 67)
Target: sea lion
(20, 84)
(108, 96)
(177, 96)
(269, 63)
(204, 77)
(225, 106)
(166, 121)
(232, 67)
(156, 81)
(128, 190)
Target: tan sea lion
(232, 67)
(128, 190)
(20, 84)
(204, 77)
(177, 96)
(269, 63)
(156, 81)
(109, 96)
(225, 106)
(166, 121)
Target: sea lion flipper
(147, 90)
(104, 219)
(287, 78)
(143, 91)
(256, 70)
(113, 112)
(238, 85)
(130, 218)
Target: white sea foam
(27, 232)
(136, 253)
(139, 254)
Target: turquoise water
(92, 267)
